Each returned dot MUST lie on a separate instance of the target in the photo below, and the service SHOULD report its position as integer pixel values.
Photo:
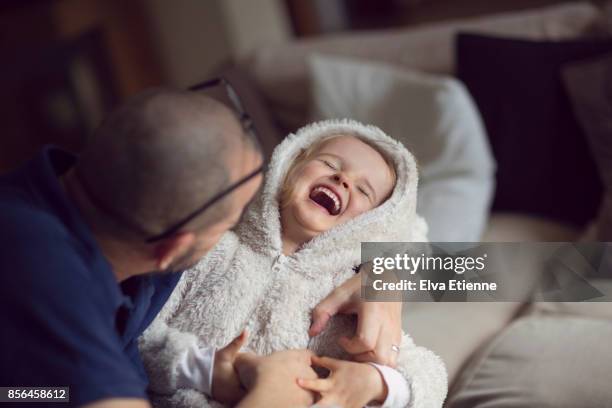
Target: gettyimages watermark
(487, 272)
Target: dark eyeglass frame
(248, 126)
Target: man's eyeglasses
(230, 96)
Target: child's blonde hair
(288, 183)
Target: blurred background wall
(195, 36)
(66, 62)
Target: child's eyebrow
(335, 156)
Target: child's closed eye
(329, 164)
(362, 191)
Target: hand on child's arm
(379, 324)
(272, 380)
(226, 387)
(349, 384)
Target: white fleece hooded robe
(246, 281)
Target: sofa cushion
(281, 71)
(455, 330)
(544, 163)
(435, 118)
(598, 308)
(540, 362)
(589, 84)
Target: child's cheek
(303, 177)
(357, 208)
(312, 170)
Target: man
(155, 188)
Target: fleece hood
(393, 220)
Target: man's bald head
(159, 157)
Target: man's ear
(172, 248)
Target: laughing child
(330, 186)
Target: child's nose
(341, 180)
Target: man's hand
(272, 380)
(119, 403)
(379, 324)
(226, 386)
(349, 384)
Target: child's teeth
(331, 194)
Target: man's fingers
(341, 300)
(368, 330)
(239, 341)
(367, 357)
(373, 357)
(244, 360)
(322, 313)
(328, 401)
(230, 351)
(327, 362)
(245, 364)
(304, 355)
(317, 385)
(384, 352)
(319, 321)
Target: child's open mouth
(327, 199)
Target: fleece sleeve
(185, 398)
(162, 349)
(425, 373)
(164, 352)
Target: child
(330, 186)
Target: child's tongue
(324, 201)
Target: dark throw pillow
(544, 164)
(589, 84)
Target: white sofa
(456, 331)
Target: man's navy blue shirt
(64, 319)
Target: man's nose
(341, 180)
